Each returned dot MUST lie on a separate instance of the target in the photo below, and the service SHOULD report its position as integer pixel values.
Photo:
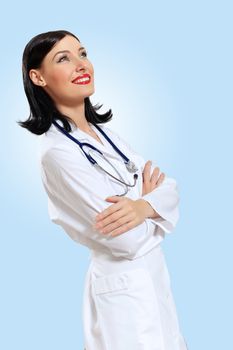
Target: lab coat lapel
(109, 152)
(82, 137)
(106, 148)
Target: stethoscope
(130, 166)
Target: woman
(127, 301)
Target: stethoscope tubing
(89, 145)
(93, 161)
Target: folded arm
(164, 199)
(77, 193)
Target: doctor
(106, 197)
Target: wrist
(149, 212)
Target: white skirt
(128, 304)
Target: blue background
(165, 69)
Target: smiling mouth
(83, 80)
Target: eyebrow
(81, 48)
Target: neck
(77, 114)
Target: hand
(149, 184)
(120, 217)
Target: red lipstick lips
(82, 79)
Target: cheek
(91, 68)
(60, 76)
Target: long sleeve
(77, 193)
(164, 199)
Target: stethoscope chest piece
(131, 167)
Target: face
(59, 69)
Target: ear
(36, 77)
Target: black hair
(42, 108)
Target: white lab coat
(127, 301)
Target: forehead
(67, 40)
(66, 43)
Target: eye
(65, 56)
(85, 53)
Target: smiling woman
(127, 300)
(51, 63)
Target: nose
(80, 65)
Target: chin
(89, 93)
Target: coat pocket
(111, 283)
(128, 311)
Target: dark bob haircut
(42, 108)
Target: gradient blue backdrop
(165, 69)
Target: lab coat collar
(82, 136)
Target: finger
(110, 219)
(111, 209)
(154, 176)
(130, 223)
(161, 178)
(146, 171)
(117, 224)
